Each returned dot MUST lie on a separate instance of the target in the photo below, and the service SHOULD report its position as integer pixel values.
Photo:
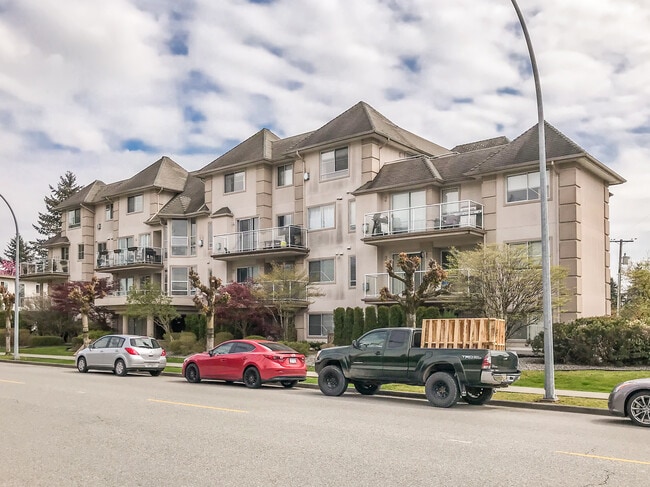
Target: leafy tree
(207, 300)
(502, 281)
(83, 296)
(242, 310)
(370, 322)
(637, 295)
(285, 290)
(150, 301)
(49, 223)
(357, 328)
(339, 326)
(7, 301)
(410, 298)
(26, 252)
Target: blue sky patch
(197, 81)
(137, 145)
(411, 63)
(190, 114)
(463, 100)
(42, 141)
(178, 44)
(508, 90)
(393, 94)
(641, 129)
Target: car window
(115, 342)
(398, 338)
(144, 342)
(277, 347)
(224, 348)
(102, 342)
(374, 339)
(242, 348)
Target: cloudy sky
(104, 88)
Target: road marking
(625, 460)
(11, 381)
(197, 406)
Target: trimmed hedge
(45, 341)
(601, 340)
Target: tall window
(352, 215)
(334, 163)
(109, 212)
(125, 242)
(81, 251)
(321, 270)
(74, 218)
(524, 187)
(246, 274)
(183, 238)
(321, 217)
(320, 325)
(353, 271)
(285, 220)
(409, 213)
(533, 249)
(65, 253)
(234, 182)
(135, 204)
(285, 175)
(180, 281)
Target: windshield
(277, 347)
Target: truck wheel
(478, 395)
(366, 388)
(441, 390)
(331, 381)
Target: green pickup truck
(393, 355)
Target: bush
(255, 337)
(339, 326)
(222, 336)
(601, 340)
(300, 347)
(45, 341)
(197, 325)
(396, 316)
(383, 319)
(371, 319)
(357, 326)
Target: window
(375, 340)
(533, 249)
(135, 204)
(234, 182)
(183, 238)
(524, 187)
(246, 274)
(210, 235)
(247, 235)
(321, 270)
(126, 283)
(285, 175)
(80, 251)
(109, 212)
(353, 270)
(334, 163)
(398, 338)
(74, 218)
(125, 242)
(321, 217)
(409, 212)
(285, 220)
(65, 253)
(321, 325)
(180, 281)
(352, 216)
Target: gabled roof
(412, 172)
(454, 166)
(87, 194)
(362, 119)
(56, 240)
(190, 202)
(256, 148)
(164, 173)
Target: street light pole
(17, 284)
(620, 242)
(549, 371)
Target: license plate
(293, 360)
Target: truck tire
(331, 381)
(366, 388)
(441, 390)
(478, 395)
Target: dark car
(252, 362)
(632, 399)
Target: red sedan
(250, 361)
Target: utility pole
(620, 242)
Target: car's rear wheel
(155, 373)
(366, 388)
(192, 374)
(120, 368)
(252, 378)
(82, 366)
(288, 383)
(441, 390)
(478, 395)
(638, 408)
(331, 381)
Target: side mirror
(355, 344)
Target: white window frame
(352, 271)
(74, 218)
(176, 284)
(323, 276)
(532, 191)
(325, 328)
(183, 245)
(81, 252)
(330, 159)
(235, 179)
(285, 175)
(108, 212)
(352, 216)
(319, 217)
(135, 204)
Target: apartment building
(336, 203)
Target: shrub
(349, 325)
(45, 341)
(222, 336)
(396, 316)
(370, 323)
(197, 325)
(300, 347)
(255, 337)
(339, 326)
(95, 334)
(383, 319)
(357, 327)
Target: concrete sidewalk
(513, 389)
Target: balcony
(45, 269)
(373, 284)
(293, 293)
(454, 223)
(129, 258)
(278, 241)
(117, 300)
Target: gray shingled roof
(164, 173)
(454, 166)
(87, 194)
(190, 202)
(56, 240)
(362, 119)
(481, 144)
(417, 171)
(256, 148)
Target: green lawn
(581, 380)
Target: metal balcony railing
(440, 216)
(292, 236)
(48, 266)
(129, 256)
(373, 283)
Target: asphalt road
(62, 428)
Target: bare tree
(150, 301)
(7, 301)
(207, 300)
(410, 297)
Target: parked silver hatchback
(123, 354)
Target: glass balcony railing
(47, 266)
(287, 291)
(129, 256)
(374, 283)
(292, 236)
(440, 216)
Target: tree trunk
(410, 320)
(8, 337)
(209, 333)
(84, 329)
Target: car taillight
(164, 353)
(302, 358)
(277, 358)
(131, 351)
(487, 361)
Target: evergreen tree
(382, 317)
(357, 327)
(49, 223)
(349, 325)
(371, 319)
(339, 326)
(26, 252)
